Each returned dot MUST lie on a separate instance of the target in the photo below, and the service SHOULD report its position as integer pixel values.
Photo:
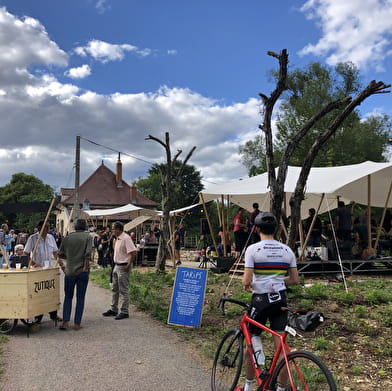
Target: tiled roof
(101, 190)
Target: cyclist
(270, 266)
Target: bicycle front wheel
(227, 365)
(308, 371)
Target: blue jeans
(81, 282)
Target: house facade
(103, 189)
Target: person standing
(343, 222)
(270, 266)
(315, 234)
(105, 241)
(254, 237)
(239, 231)
(75, 250)
(177, 246)
(124, 254)
(46, 251)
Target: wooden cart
(26, 293)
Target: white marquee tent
(349, 183)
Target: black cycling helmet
(267, 222)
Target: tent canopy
(349, 183)
(135, 222)
(127, 210)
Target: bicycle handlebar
(223, 299)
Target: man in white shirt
(46, 251)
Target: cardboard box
(25, 294)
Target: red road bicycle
(303, 370)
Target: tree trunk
(167, 191)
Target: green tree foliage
(308, 90)
(24, 188)
(186, 188)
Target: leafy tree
(308, 90)
(338, 111)
(186, 187)
(24, 188)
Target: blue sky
(115, 71)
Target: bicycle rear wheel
(309, 373)
(7, 325)
(228, 362)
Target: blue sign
(188, 297)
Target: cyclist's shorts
(267, 306)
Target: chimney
(133, 193)
(119, 172)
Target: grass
(3, 339)
(357, 321)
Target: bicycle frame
(282, 349)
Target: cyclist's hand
(247, 286)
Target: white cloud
(102, 6)
(172, 52)
(24, 42)
(79, 72)
(352, 30)
(105, 52)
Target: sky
(116, 71)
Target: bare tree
(343, 107)
(167, 179)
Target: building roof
(101, 189)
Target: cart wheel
(7, 325)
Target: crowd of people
(109, 247)
(345, 227)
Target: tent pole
(283, 228)
(227, 213)
(369, 216)
(224, 229)
(383, 216)
(301, 239)
(209, 222)
(219, 211)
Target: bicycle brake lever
(221, 304)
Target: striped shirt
(270, 261)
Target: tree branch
(184, 162)
(149, 137)
(179, 152)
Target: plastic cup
(4, 267)
(46, 264)
(18, 265)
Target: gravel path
(131, 354)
